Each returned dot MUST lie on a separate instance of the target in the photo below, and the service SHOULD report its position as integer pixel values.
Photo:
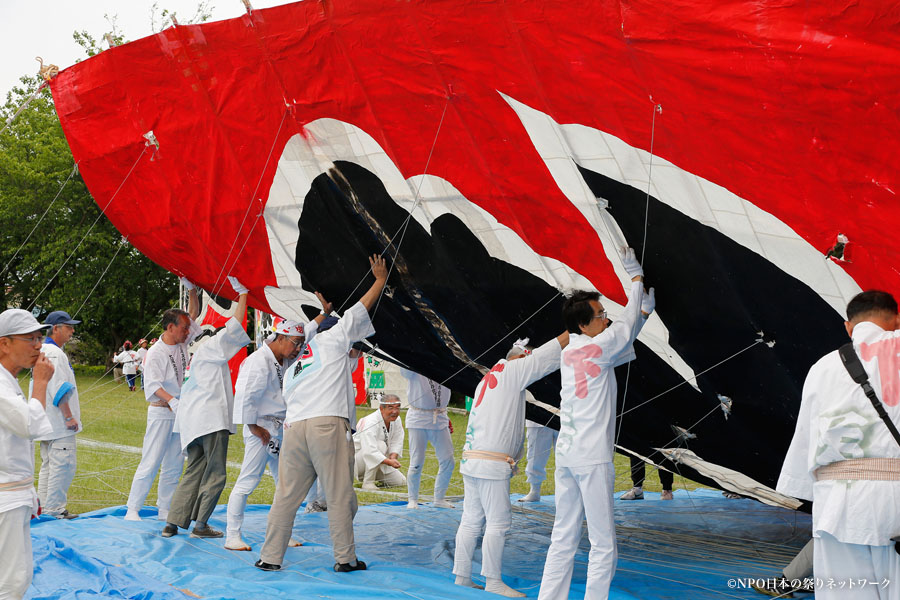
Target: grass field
(114, 420)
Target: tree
(57, 250)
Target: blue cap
(60, 317)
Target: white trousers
(582, 492)
(17, 564)
(316, 493)
(380, 472)
(541, 440)
(252, 468)
(161, 452)
(855, 572)
(58, 466)
(443, 448)
(486, 505)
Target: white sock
(496, 586)
(352, 563)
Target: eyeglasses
(31, 339)
(298, 342)
(602, 315)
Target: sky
(44, 28)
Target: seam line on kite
(216, 286)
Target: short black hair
(869, 302)
(172, 316)
(577, 309)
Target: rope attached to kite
(47, 73)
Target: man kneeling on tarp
(379, 443)
(845, 455)
(203, 417)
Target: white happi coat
(129, 361)
(257, 393)
(428, 401)
(587, 411)
(21, 421)
(207, 399)
(838, 422)
(164, 368)
(374, 441)
(497, 420)
(320, 384)
(60, 387)
(141, 355)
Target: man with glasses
(379, 443)
(58, 456)
(166, 363)
(584, 450)
(259, 405)
(21, 421)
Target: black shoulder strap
(856, 370)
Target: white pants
(58, 466)
(443, 448)
(161, 452)
(17, 563)
(380, 472)
(581, 492)
(837, 564)
(316, 493)
(486, 505)
(252, 468)
(541, 440)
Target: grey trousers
(203, 481)
(321, 447)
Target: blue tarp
(688, 547)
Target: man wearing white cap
(204, 422)
(494, 443)
(379, 443)
(58, 457)
(21, 421)
(427, 421)
(259, 405)
(164, 371)
(318, 392)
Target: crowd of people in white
(294, 397)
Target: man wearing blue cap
(58, 457)
(21, 421)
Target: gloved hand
(237, 285)
(630, 262)
(187, 284)
(648, 302)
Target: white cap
(521, 344)
(16, 321)
(290, 328)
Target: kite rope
(102, 275)
(657, 108)
(474, 361)
(216, 286)
(416, 200)
(694, 377)
(33, 229)
(91, 228)
(23, 106)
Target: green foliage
(57, 251)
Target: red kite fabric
(498, 153)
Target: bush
(94, 370)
